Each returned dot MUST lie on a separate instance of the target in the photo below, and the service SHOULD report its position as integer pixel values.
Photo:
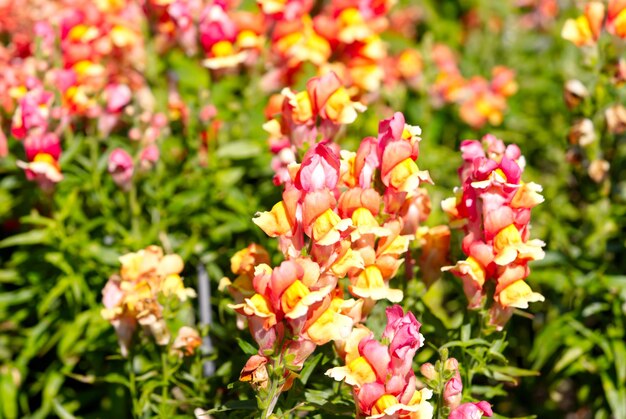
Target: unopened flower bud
(134, 134)
(121, 168)
(451, 364)
(149, 156)
(428, 370)
(453, 392)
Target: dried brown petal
(598, 170)
(616, 119)
(255, 371)
(574, 93)
(582, 132)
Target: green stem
(443, 356)
(135, 211)
(277, 381)
(272, 397)
(133, 384)
(166, 379)
(93, 155)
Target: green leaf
(569, 356)
(27, 239)
(233, 405)
(466, 344)
(515, 372)
(615, 396)
(115, 378)
(60, 410)
(8, 275)
(246, 347)
(237, 150)
(318, 397)
(17, 297)
(619, 350)
(54, 294)
(309, 366)
(8, 391)
(466, 332)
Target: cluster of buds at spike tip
(445, 378)
(480, 101)
(587, 28)
(381, 372)
(299, 119)
(493, 207)
(346, 218)
(136, 295)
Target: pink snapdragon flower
(42, 152)
(32, 113)
(319, 170)
(384, 384)
(149, 156)
(121, 167)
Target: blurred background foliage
(59, 357)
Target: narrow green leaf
(616, 397)
(237, 150)
(8, 391)
(246, 347)
(60, 410)
(309, 366)
(115, 378)
(619, 350)
(27, 239)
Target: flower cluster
(493, 207)
(586, 29)
(480, 101)
(381, 372)
(147, 280)
(90, 72)
(343, 215)
(89, 69)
